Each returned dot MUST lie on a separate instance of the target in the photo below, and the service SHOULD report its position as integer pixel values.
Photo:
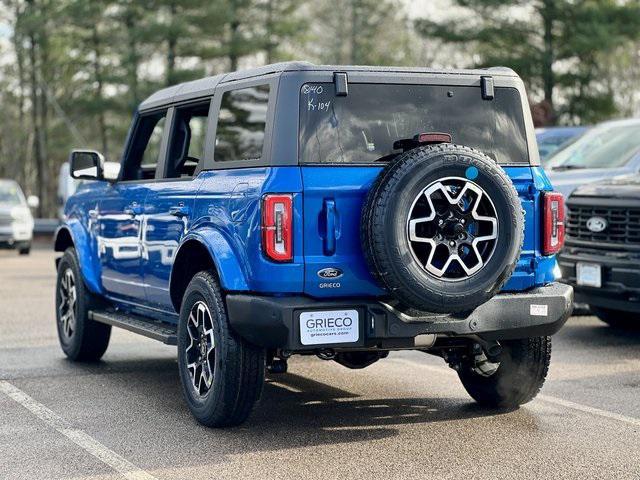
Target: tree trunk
(269, 44)
(548, 14)
(99, 93)
(234, 26)
(21, 161)
(353, 34)
(132, 60)
(36, 104)
(171, 48)
(49, 164)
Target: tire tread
(373, 238)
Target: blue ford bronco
(341, 211)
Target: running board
(164, 332)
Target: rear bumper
(274, 322)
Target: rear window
(362, 126)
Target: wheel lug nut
(452, 243)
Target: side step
(164, 332)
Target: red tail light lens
(277, 227)
(553, 222)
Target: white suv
(16, 221)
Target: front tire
(221, 374)
(81, 339)
(523, 368)
(617, 318)
(24, 249)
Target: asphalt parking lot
(404, 417)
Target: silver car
(607, 150)
(16, 221)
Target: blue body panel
(120, 225)
(163, 233)
(533, 268)
(82, 226)
(229, 204)
(344, 189)
(128, 257)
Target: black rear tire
(617, 318)
(24, 249)
(86, 340)
(384, 228)
(238, 367)
(523, 369)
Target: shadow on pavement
(317, 404)
(295, 411)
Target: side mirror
(33, 201)
(86, 165)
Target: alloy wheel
(67, 309)
(200, 352)
(452, 228)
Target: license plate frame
(589, 274)
(329, 327)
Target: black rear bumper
(273, 322)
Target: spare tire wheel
(442, 228)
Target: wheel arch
(74, 235)
(205, 250)
(62, 239)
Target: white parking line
(545, 398)
(92, 446)
(592, 410)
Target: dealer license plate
(334, 326)
(589, 274)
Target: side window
(186, 149)
(241, 124)
(144, 153)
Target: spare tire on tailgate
(442, 228)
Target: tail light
(553, 222)
(277, 227)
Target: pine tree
(556, 46)
(362, 32)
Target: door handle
(134, 209)
(179, 211)
(329, 246)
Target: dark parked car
(601, 258)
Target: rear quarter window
(361, 127)
(241, 124)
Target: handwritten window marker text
(314, 106)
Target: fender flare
(232, 276)
(87, 256)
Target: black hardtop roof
(205, 86)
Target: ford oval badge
(596, 224)
(330, 273)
